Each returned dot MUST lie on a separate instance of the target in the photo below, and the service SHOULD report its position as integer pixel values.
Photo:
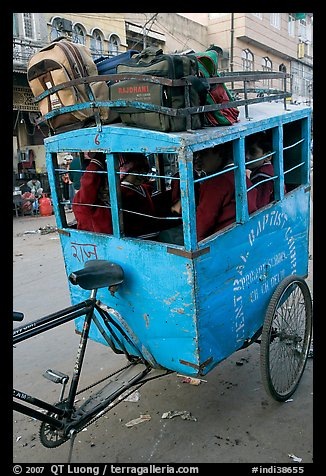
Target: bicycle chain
(110, 406)
(103, 412)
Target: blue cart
(185, 308)
(189, 307)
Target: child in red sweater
(259, 145)
(217, 206)
(92, 203)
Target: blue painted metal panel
(235, 281)
(156, 299)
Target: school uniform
(265, 190)
(99, 219)
(176, 190)
(138, 199)
(92, 218)
(217, 207)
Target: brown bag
(57, 63)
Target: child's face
(254, 152)
(137, 179)
(209, 161)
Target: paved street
(234, 419)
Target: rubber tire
(267, 338)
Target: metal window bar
(149, 216)
(293, 168)
(201, 179)
(169, 177)
(293, 145)
(260, 158)
(262, 181)
(66, 171)
(290, 147)
(89, 205)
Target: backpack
(218, 93)
(57, 63)
(152, 61)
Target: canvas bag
(57, 63)
(218, 93)
(153, 62)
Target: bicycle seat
(18, 316)
(97, 274)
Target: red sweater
(138, 199)
(265, 191)
(99, 219)
(216, 207)
(88, 194)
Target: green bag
(218, 93)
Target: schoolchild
(174, 234)
(259, 145)
(92, 202)
(217, 205)
(136, 194)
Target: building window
(275, 20)
(267, 66)
(282, 69)
(28, 23)
(291, 24)
(97, 44)
(258, 15)
(303, 29)
(247, 60)
(79, 34)
(56, 29)
(114, 44)
(15, 25)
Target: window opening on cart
(259, 164)
(294, 156)
(217, 207)
(143, 192)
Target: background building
(248, 42)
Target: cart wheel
(286, 337)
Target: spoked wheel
(286, 337)
(50, 436)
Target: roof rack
(251, 94)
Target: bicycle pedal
(56, 376)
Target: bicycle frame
(66, 418)
(37, 327)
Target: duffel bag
(153, 62)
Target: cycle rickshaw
(185, 308)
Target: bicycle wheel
(286, 337)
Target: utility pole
(232, 42)
(144, 29)
(232, 46)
